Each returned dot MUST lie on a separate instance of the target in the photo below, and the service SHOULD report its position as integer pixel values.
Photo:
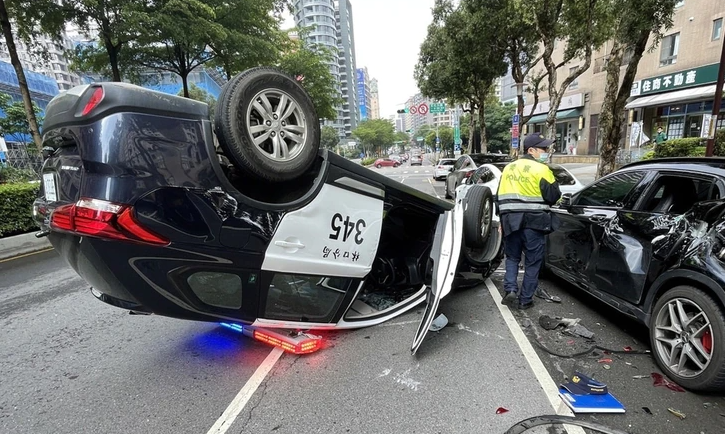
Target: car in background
(443, 167)
(464, 167)
(386, 162)
(490, 174)
(416, 160)
(649, 241)
(404, 157)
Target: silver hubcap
(485, 219)
(681, 327)
(276, 125)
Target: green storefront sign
(676, 80)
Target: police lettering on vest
(520, 188)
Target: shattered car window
(610, 191)
(562, 176)
(304, 298)
(677, 194)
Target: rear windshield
(447, 162)
(486, 159)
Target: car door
(445, 253)
(451, 178)
(573, 248)
(625, 250)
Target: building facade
(348, 65)
(362, 86)
(674, 86)
(374, 99)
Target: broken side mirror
(565, 201)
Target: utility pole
(718, 102)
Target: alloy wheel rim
(683, 337)
(276, 125)
(485, 220)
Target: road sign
(515, 142)
(413, 110)
(423, 109)
(457, 135)
(437, 107)
(515, 131)
(516, 119)
(438, 139)
(419, 139)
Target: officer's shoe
(524, 306)
(509, 298)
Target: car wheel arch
(675, 278)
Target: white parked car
(490, 174)
(443, 167)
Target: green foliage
(498, 126)
(648, 155)
(445, 134)
(16, 204)
(719, 143)
(310, 63)
(687, 147)
(368, 161)
(375, 134)
(329, 138)
(9, 175)
(198, 94)
(402, 137)
(16, 120)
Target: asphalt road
(71, 364)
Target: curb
(21, 245)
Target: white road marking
(537, 366)
(415, 321)
(227, 418)
(434, 190)
(405, 171)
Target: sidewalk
(17, 245)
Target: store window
(675, 127)
(716, 29)
(670, 47)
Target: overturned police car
(241, 220)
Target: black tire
(396, 165)
(477, 216)
(712, 378)
(487, 259)
(379, 166)
(236, 116)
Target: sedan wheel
(687, 332)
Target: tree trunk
(482, 125)
(22, 82)
(471, 129)
(185, 83)
(112, 51)
(613, 114)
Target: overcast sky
(388, 34)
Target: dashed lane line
(226, 420)
(434, 188)
(537, 366)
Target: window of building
(670, 47)
(716, 29)
(574, 84)
(675, 127)
(680, 3)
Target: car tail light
(469, 173)
(102, 219)
(92, 103)
(294, 342)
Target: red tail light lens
(469, 173)
(102, 219)
(92, 103)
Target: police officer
(526, 191)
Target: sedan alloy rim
(683, 337)
(486, 220)
(276, 125)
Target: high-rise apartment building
(374, 99)
(331, 25)
(362, 85)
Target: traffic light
(401, 111)
(409, 131)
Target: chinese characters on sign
(337, 254)
(676, 80)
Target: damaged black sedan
(244, 220)
(649, 240)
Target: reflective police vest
(520, 190)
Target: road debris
(637, 377)
(607, 367)
(660, 380)
(605, 360)
(647, 410)
(571, 325)
(438, 323)
(502, 410)
(677, 413)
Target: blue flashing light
(235, 327)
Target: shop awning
(683, 95)
(560, 115)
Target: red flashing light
(296, 346)
(469, 173)
(92, 103)
(102, 219)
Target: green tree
(179, 34)
(463, 54)
(120, 23)
(375, 134)
(445, 135)
(310, 65)
(198, 94)
(637, 21)
(402, 137)
(499, 126)
(582, 25)
(329, 138)
(253, 34)
(15, 120)
(30, 18)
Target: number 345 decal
(346, 228)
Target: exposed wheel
(477, 216)
(378, 165)
(487, 259)
(396, 165)
(267, 125)
(687, 330)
